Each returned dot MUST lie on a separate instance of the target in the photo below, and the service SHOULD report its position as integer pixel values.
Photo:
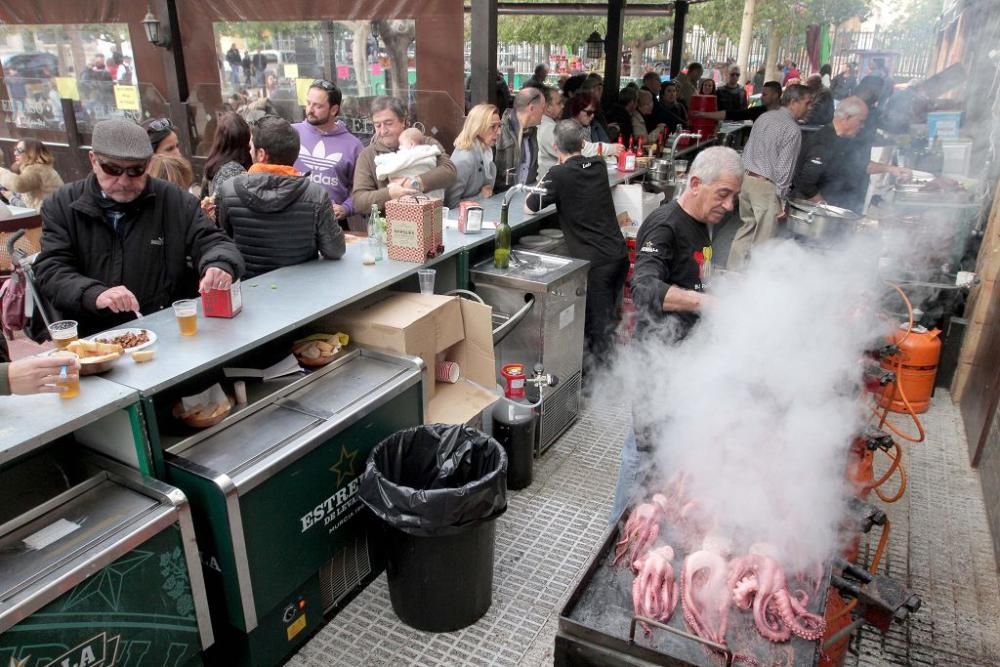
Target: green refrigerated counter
(285, 540)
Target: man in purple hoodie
(328, 152)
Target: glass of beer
(186, 311)
(70, 385)
(63, 333)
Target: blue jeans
(628, 475)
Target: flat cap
(121, 140)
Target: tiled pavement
(939, 547)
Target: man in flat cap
(117, 242)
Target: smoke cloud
(758, 406)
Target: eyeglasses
(18, 150)
(161, 125)
(134, 171)
(326, 85)
(589, 112)
(734, 74)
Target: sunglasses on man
(328, 86)
(589, 112)
(115, 170)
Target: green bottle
(501, 253)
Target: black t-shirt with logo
(672, 248)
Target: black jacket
(579, 188)
(731, 99)
(278, 220)
(672, 248)
(162, 235)
(829, 165)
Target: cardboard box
(222, 302)
(632, 199)
(414, 228)
(428, 325)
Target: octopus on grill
(654, 593)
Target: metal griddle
(597, 627)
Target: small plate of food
(319, 349)
(94, 357)
(204, 415)
(130, 339)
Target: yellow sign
(66, 85)
(296, 627)
(302, 88)
(127, 98)
(291, 71)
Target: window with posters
(91, 64)
(268, 66)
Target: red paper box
(222, 302)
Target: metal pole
(677, 41)
(613, 52)
(484, 52)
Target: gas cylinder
(514, 424)
(920, 353)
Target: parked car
(33, 65)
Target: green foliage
(919, 17)
(726, 16)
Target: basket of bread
(205, 409)
(319, 349)
(95, 357)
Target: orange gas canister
(919, 354)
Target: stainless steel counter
(281, 301)
(29, 422)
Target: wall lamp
(155, 33)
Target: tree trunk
(359, 54)
(397, 36)
(635, 59)
(771, 69)
(330, 64)
(746, 37)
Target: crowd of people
(130, 238)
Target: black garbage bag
(436, 479)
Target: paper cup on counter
(447, 371)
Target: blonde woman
(172, 168)
(473, 156)
(31, 178)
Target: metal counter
(274, 490)
(284, 300)
(106, 568)
(30, 422)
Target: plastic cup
(186, 312)
(426, 277)
(70, 386)
(63, 333)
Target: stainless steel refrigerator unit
(285, 539)
(103, 571)
(552, 332)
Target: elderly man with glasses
(516, 152)
(117, 242)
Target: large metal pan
(820, 221)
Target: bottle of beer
(501, 252)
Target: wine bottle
(501, 252)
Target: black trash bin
(438, 487)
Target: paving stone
(939, 546)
